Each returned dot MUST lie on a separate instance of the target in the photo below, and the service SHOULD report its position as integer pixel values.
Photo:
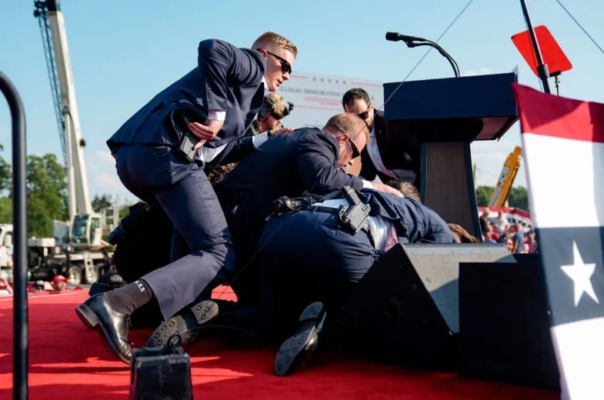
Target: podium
(444, 116)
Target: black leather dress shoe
(296, 350)
(186, 323)
(111, 325)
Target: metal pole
(541, 67)
(20, 329)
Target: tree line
(518, 197)
(46, 194)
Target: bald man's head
(352, 135)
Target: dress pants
(246, 227)
(202, 255)
(303, 257)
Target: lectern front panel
(447, 183)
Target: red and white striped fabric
(563, 144)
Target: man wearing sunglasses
(308, 160)
(381, 159)
(157, 159)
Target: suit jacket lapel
(257, 99)
(381, 137)
(255, 106)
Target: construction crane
(85, 256)
(506, 178)
(85, 225)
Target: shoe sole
(202, 312)
(289, 354)
(91, 321)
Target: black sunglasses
(364, 115)
(286, 67)
(354, 148)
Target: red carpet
(68, 361)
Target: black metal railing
(20, 320)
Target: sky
(124, 52)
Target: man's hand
(206, 131)
(275, 132)
(386, 189)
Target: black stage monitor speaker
(505, 330)
(530, 258)
(405, 309)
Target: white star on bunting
(581, 274)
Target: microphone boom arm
(440, 50)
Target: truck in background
(47, 258)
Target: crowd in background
(519, 237)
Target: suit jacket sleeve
(414, 222)
(219, 64)
(438, 234)
(317, 166)
(238, 149)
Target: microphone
(395, 37)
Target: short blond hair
(348, 123)
(271, 40)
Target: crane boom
(85, 252)
(506, 178)
(52, 26)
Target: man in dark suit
(310, 257)
(307, 160)
(325, 261)
(380, 158)
(159, 155)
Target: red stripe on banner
(366, 84)
(555, 116)
(507, 210)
